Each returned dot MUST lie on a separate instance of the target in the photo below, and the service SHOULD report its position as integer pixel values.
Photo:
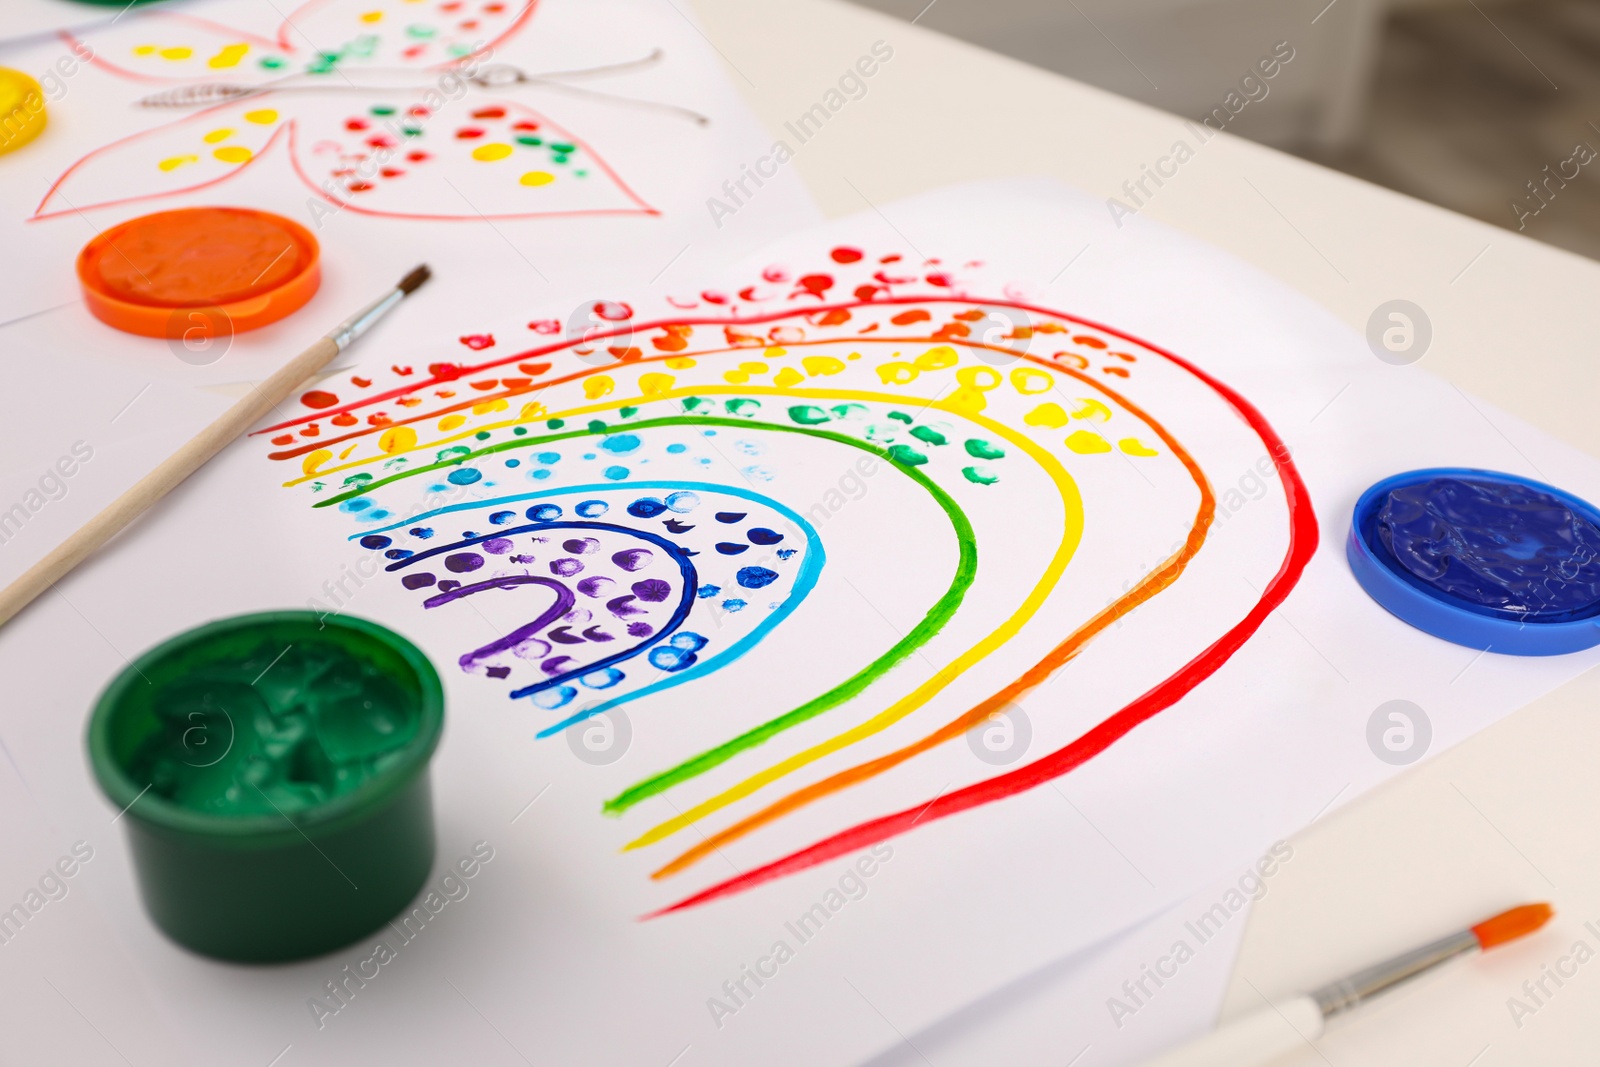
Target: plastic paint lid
(217, 269)
(1480, 558)
(22, 111)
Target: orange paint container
(198, 274)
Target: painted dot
(620, 444)
(174, 162)
(464, 476)
(596, 586)
(421, 532)
(707, 591)
(652, 589)
(537, 177)
(730, 516)
(763, 536)
(550, 699)
(540, 475)
(489, 113)
(468, 133)
(646, 508)
(530, 141)
(566, 567)
(500, 518)
(381, 110)
(615, 474)
(735, 604)
(181, 52)
(417, 581)
(461, 562)
(632, 559)
(375, 541)
(756, 577)
(729, 548)
(640, 629)
(602, 679)
(218, 135)
(318, 398)
(545, 512)
(581, 546)
(592, 509)
(234, 154)
(488, 153)
(399, 553)
(270, 63)
(683, 502)
(360, 503)
(675, 448)
(497, 546)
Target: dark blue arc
(565, 598)
(678, 555)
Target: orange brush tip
(1510, 925)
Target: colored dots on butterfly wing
(592, 509)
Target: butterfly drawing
(386, 107)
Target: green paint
(382, 109)
(808, 415)
(459, 49)
(555, 424)
(451, 455)
(931, 623)
(420, 31)
(694, 403)
(978, 448)
(581, 173)
(265, 730)
(906, 456)
(741, 405)
(627, 413)
(272, 62)
(597, 426)
(980, 475)
(901, 416)
(849, 411)
(929, 435)
(564, 149)
(519, 430)
(530, 141)
(411, 131)
(481, 435)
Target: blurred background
(1487, 107)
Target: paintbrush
(193, 455)
(1279, 1029)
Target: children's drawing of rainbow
(630, 484)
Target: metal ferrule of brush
(359, 323)
(1343, 995)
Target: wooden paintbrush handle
(164, 478)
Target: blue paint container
(1483, 559)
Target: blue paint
(756, 577)
(1504, 549)
(621, 444)
(615, 474)
(1486, 560)
(459, 476)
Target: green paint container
(272, 772)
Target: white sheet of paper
(391, 157)
(547, 958)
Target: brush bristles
(413, 281)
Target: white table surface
(1507, 816)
